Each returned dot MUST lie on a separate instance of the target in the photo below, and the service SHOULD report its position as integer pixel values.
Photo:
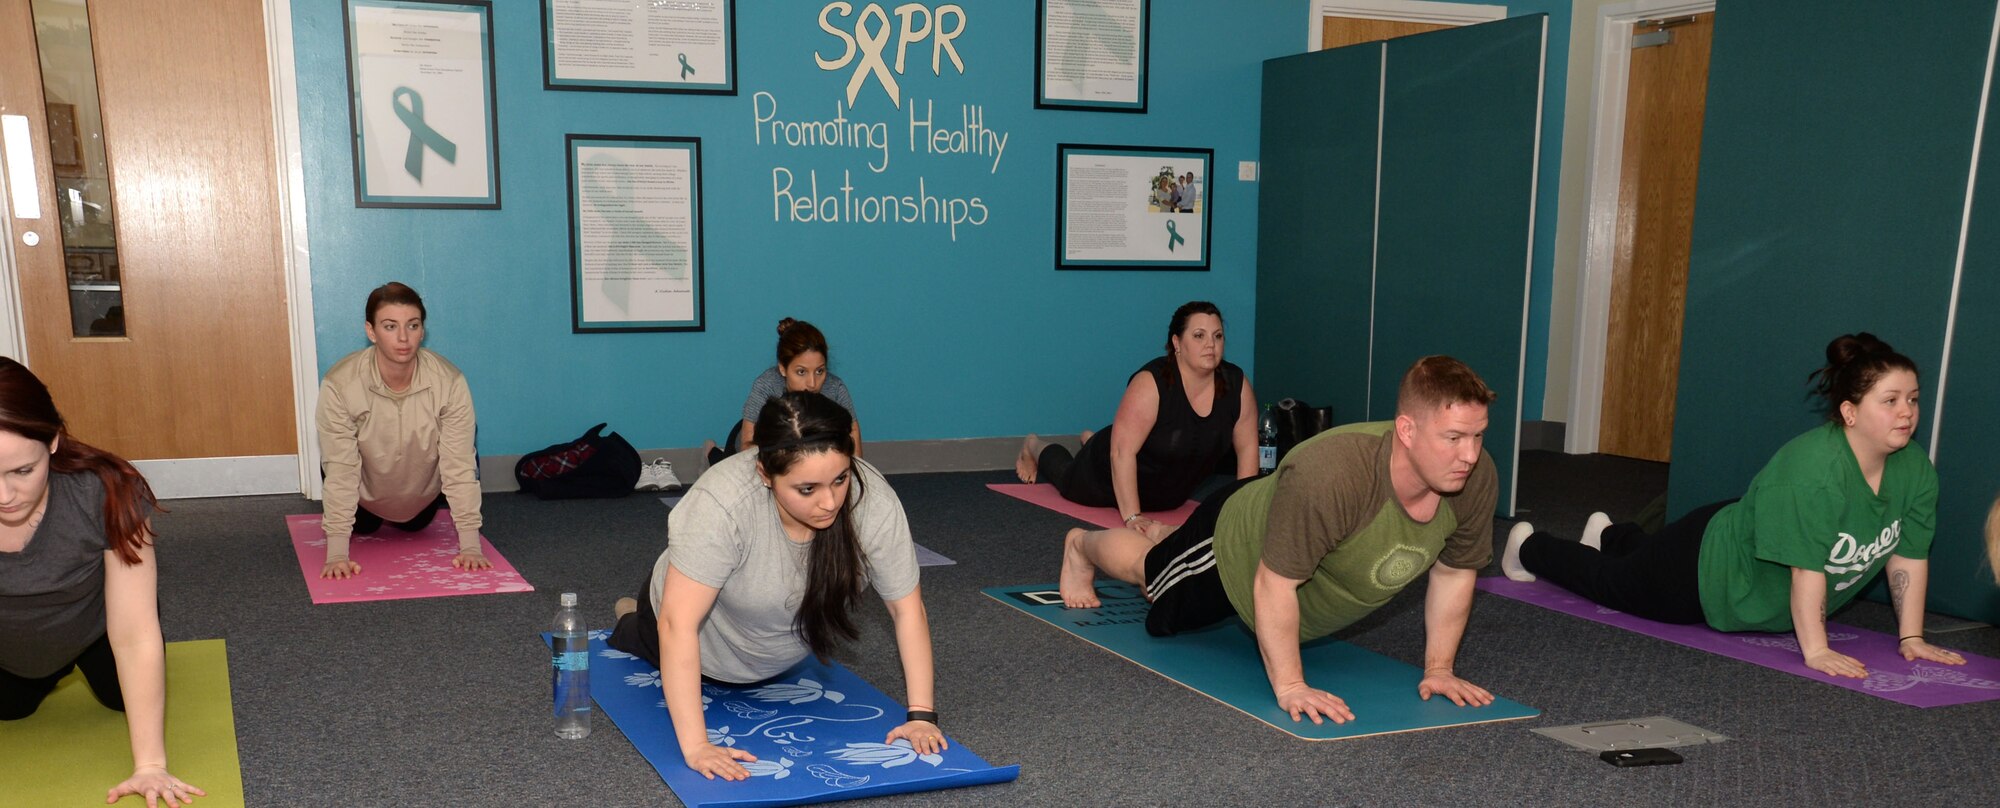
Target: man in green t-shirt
(1348, 519)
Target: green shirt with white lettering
(1329, 516)
(1811, 509)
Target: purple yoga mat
(1918, 684)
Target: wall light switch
(1247, 171)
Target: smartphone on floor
(1640, 757)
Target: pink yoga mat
(1918, 684)
(1045, 495)
(397, 565)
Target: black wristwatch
(922, 715)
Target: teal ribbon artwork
(633, 240)
(1174, 236)
(409, 106)
(686, 69)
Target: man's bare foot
(1077, 581)
(623, 607)
(1024, 464)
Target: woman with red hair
(78, 586)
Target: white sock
(1593, 530)
(1510, 561)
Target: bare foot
(1078, 576)
(1024, 464)
(1084, 437)
(623, 607)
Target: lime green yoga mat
(73, 750)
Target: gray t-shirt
(725, 533)
(52, 591)
(770, 384)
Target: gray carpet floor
(444, 701)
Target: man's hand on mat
(339, 569)
(719, 761)
(1914, 649)
(1303, 700)
(1827, 660)
(471, 561)
(157, 786)
(924, 736)
(1461, 692)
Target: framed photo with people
(1132, 207)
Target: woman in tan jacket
(395, 437)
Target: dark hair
(1854, 363)
(796, 337)
(27, 410)
(791, 426)
(394, 292)
(1440, 381)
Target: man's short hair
(1440, 381)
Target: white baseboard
(221, 476)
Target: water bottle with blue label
(1267, 442)
(569, 662)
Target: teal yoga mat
(1222, 663)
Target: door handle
(21, 177)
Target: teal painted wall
(939, 335)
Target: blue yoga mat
(1222, 663)
(816, 730)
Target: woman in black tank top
(1182, 415)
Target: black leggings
(1654, 576)
(730, 445)
(638, 633)
(367, 522)
(20, 697)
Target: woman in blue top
(802, 357)
(1831, 509)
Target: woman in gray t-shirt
(802, 357)
(766, 556)
(77, 580)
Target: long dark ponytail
(801, 423)
(27, 410)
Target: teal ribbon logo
(1174, 236)
(422, 136)
(686, 69)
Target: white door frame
(227, 476)
(1600, 230)
(1426, 11)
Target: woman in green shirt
(1831, 509)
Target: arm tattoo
(1899, 582)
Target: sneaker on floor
(1593, 530)
(1510, 561)
(657, 476)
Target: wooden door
(1339, 32)
(197, 360)
(1663, 116)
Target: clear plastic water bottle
(569, 663)
(1267, 442)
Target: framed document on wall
(421, 105)
(1132, 207)
(635, 233)
(1092, 54)
(684, 46)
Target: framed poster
(635, 233)
(420, 86)
(1092, 54)
(1132, 207)
(685, 46)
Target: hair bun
(786, 325)
(1849, 347)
